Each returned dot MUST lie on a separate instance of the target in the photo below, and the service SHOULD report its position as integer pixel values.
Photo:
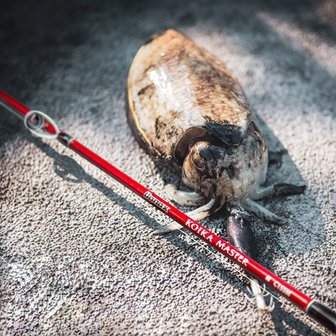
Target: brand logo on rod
(219, 244)
(149, 196)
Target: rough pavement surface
(76, 252)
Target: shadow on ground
(68, 169)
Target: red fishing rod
(43, 126)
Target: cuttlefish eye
(201, 156)
(198, 160)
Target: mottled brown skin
(174, 85)
(226, 173)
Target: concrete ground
(76, 252)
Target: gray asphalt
(77, 255)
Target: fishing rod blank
(43, 126)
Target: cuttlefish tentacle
(263, 213)
(276, 190)
(183, 197)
